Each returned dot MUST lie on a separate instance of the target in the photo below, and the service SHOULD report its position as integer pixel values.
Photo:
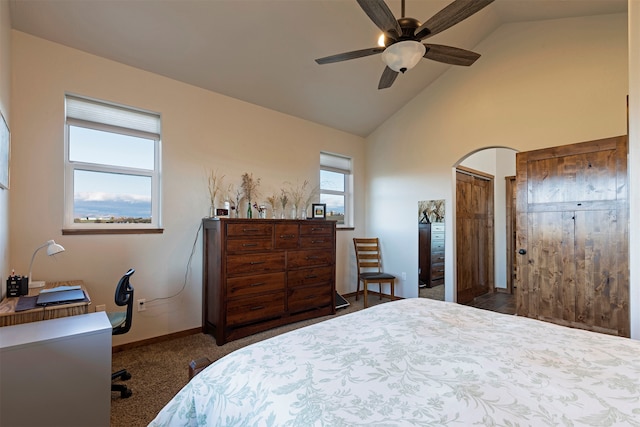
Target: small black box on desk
(17, 285)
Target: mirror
(431, 249)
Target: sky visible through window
(332, 181)
(99, 194)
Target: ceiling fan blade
(450, 55)
(350, 55)
(381, 15)
(457, 11)
(387, 78)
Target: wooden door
(474, 234)
(510, 205)
(572, 227)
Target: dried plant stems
(215, 185)
(250, 186)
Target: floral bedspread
(419, 362)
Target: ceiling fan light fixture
(404, 55)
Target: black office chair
(121, 323)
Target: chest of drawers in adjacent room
(431, 254)
(259, 274)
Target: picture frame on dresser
(319, 211)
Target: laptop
(60, 297)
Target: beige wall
(5, 102)
(200, 130)
(538, 84)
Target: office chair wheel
(126, 393)
(123, 375)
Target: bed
(419, 362)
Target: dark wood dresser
(431, 253)
(263, 273)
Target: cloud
(111, 197)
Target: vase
(303, 213)
(249, 211)
(294, 213)
(212, 211)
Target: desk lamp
(52, 249)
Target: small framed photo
(319, 210)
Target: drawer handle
(313, 257)
(317, 229)
(257, 307)
(248, 245)
(256, 262)
(310, 297)
(257, 284)
(311, 276)
(317, 241)
(249, 230)
(287, 236)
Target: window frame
(341, 164)
(70, 167)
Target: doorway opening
(483, 229)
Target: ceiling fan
(400, 45)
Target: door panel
(474, 235)
(572, 214)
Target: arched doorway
(483, 223)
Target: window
(112, 167)
(335, 187)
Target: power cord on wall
(186, 273)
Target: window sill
(83, 231)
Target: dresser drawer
(317, 242)
(437, 281)
(247, 229)
(310, 258)
(437, 257)
(437, 246)
(301, 299)
(439, 235)
(316, 229)
(248, 285)
(269, 262)
(437, 270)
(250, 309)
(437, 226)
(309, 276)
(287, 236)
(248, 245)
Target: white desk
(56, 372)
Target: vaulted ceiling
(263, 51)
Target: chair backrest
(367, 254)
(124, 296)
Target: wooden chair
(370, 267)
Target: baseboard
(155, 340)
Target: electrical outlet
(141, 304)
(404, 276)
(101, 307)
